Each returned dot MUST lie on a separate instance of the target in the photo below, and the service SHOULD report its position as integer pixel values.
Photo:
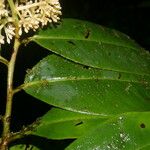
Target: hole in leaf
(71, 42)
(87, 34)
(119, 76)
(86, 67)
(79, 123)
(142, 125)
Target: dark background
(128, 16)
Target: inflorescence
(31, 14)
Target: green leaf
(62, 124)
(95, 46)
(23, 147)
(127, 132)
(147, 147)
(83, 89)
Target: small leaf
(127, 132)
(95, 46)
(62, 124)
(84, 89)
(23, 147)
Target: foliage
(99, 78)
(97, 81)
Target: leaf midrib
(89, 65)
(45, 81)
(86, 40)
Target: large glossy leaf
(95, 46)
(79, 88)
(102, 73)
(62, 124)
(127, 132)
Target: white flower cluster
(31, 15)
(7, 26)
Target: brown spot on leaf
(142, 125)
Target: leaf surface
(95, 73)
(95, 46)
(83, 89)
(62, 124)
(23, 147)
(127, 132)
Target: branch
(4, 61)
(11, 68)
(18, 89)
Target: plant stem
(6, 135)
(18, 89)
(8, 110)
(11, 67)
(4, 61)
(14, 11)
